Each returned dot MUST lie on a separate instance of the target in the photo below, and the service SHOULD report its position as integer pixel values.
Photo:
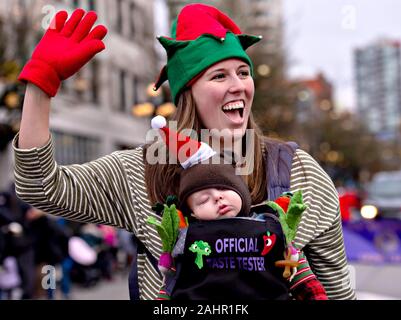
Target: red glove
(63, 50)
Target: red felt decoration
(198, 19)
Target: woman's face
(223, 96)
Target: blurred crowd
(42, 256)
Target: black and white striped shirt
(111, 190)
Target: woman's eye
(244, 73)
(218, 76)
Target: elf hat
(188, 151)
(201, 36)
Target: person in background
(17, 242)
(50, 243)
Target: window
(79, 83)
(132, 10)
(94, 81)
(135, 90)
(92, 5)
(119, 24)
(74, 149)
(122, 90)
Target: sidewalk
(116, 289)
(377, 282)
(373, 296)
(371, 283)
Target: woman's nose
(236, 84)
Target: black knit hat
(209, 175)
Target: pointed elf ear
(248, 40)
(171, 45)
(161, 78)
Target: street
(380, 282)
(116, 289)
(371, 283)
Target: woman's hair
(163, 179)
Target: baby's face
(212, 203)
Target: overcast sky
(321, 35)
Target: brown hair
(163, 179)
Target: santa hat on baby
(199, 173)
(188, 151)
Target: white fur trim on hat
(203, 153)
(158, 122)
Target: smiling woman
(223, 95)
(210, 77)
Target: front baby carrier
(278, 165)
(230, 258)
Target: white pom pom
(158, 122)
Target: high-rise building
(314, 98)
(378, 86)
(265, 17)
(259, 17)
(313, 104)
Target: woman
(210, 77)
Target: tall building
(314, 98)
(313, 104)
(259, 17)
(92, 114)
(265, 17)
(378, 86)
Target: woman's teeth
(232, 108)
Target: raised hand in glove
(63, 50)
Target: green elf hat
(202, 36)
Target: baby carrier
(245, 252)
(230, 259)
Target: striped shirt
(112, 190)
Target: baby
(210, 192)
